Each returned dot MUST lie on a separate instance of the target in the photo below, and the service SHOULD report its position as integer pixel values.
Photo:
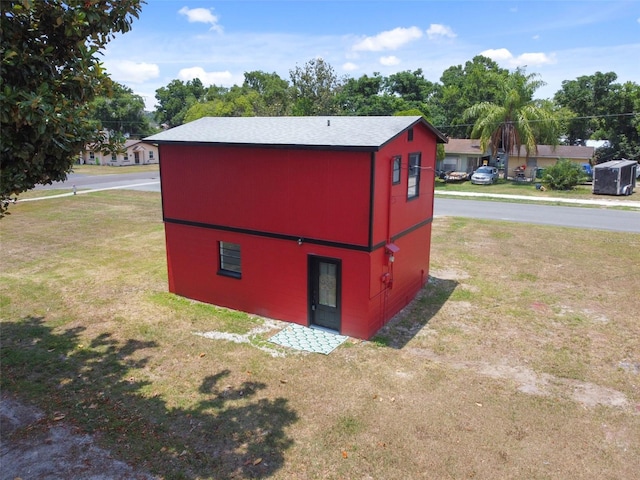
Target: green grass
(509, 187)
(110, 170)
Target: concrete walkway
(599, 201)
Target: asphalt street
(596, 216)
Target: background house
(548, 155)
(462, 155)
(314, 220)
(465, 155)
(136, 152)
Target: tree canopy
(50, 74)
(514, 120)
(121, 113)
(589, 107)
(603, 110)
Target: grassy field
(510, 187)
(108, 170)
(520, 359)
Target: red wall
(274, 275)
(405, 213)
(318, 196)
(305, 193)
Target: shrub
(564, 175)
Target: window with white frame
(413, 183)
(397, 163)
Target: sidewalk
(600, 201)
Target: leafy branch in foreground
(50, 74)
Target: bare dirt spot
(449, 274)
(530, 382)
(33, 446)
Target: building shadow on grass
(418, 313)
(229, 433)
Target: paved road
(598, 218)
(116, 180)
(580, 217)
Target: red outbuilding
(314, 220)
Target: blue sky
(218, 40)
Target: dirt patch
(533, 383)
(33, 446)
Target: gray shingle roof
(472, 146)
(331, 132)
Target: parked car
(485, 175)
(456, 176)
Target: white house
(136, 152)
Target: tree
(366, 96)
(591, 98)
(50, 74)
(175, 99)
(233, 102)
(315, 86)
(411, 87)
(515, 120)
(274, 92)
(122, 113)
(480, 80)
(604, 110)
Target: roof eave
(283, 146)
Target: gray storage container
(616, 177)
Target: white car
(485, 175)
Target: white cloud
(128, 71)
(349, 67)
(532, 59)
(638, 19)
(536, 37)
(207, 78)
(201, 15)
(389, 40)
(389, 61)
(499, 55)
(437, 31)
(504, 56)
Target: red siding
(265, 199)
(305, 193)
(274, 275)
(405, 213)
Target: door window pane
(327, 284)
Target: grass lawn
(510, 187)
(520, 359)
(109, 170)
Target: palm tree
(516, 121)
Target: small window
(92, 155)
(413, 184)
(397, 162)
(410, 135)
(114, 158)
(230, 261)
(150, 154)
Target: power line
(587, 117)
